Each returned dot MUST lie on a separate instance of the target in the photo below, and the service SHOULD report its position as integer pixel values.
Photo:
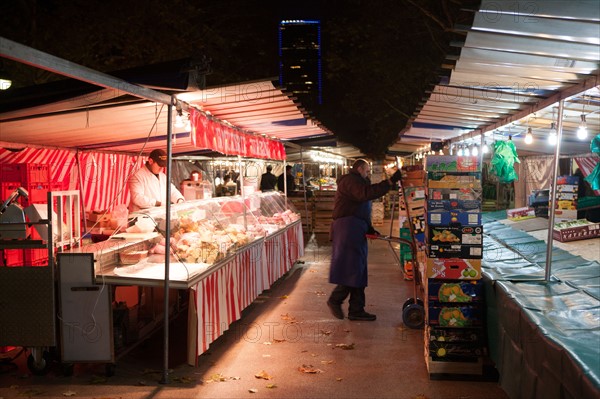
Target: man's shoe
(336, 310)
(364, 316)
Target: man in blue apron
(351, 222)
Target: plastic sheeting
(549, 332)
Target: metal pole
(165, 378)
(308, 224)
(552, 200)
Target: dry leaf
(236, 378)
(271, 386)
(264, 375)
(327, 361)
(252, 390)
(266, 343)
(314, 355)
(96, 379)
(309, 369)
(217, 378)
(312, 271)
(339, 379)
(266, 355)
(320, 293)
(345, 346)
(288, 318)
(284, 297)
(183, 380)
(326, 332)
(278, 341)
(69, 393)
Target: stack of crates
(411, 212)
(455, 335)
(35, 178)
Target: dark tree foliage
(379, 56)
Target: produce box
(455, 316)
(453, 335)
(565, 215)
(453, 205)
(448, 351)
(571, 180)
(567, 188)
(454, 268)
(448, 180)
(454, 194)
(415, 194)
(445, 218)
(580, 229)
(520, 213)
(452, 163)
(455, 251)
(466, 235)
(459, 291)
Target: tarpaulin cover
(548, 331)
(215, 135)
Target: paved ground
(288, 337)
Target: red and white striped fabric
(220, 298)
(100, 177)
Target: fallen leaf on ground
(339, 379)
(270, 386)
(289, 318)
(346, 347)
(320, 293)
(309, 369)
(326, 332)
(314, 355)
(69, 393)
(266, 355)
(284, 297)
(303, 351)
(278, 341)
(264, 375)
(236, 378)
(252, 390)
(327, 361)
(96, 379)
(266, 343)
(218, 378)
(183, 380)
(346, 330)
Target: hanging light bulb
(475, 150)
(188, 123)
(179, 120)
(582, 132)
(529, 136)
(485, 148)
(552, 137)
(441, 152)
(467, 151)
(460, 151)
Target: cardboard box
(448, 351)
(449, 316)
(520, 213)
(453, 205)
(568, 214)
(445, 218)
(562, 180)
(455, 251)
(454, 268)
(452, 163)
(576, 233)
(444, 368)
(458, 291)
(467, 194)
(565, 196)
(463, 335)
(567, 188)
(465, 235)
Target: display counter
(543, 335)
(225, 251)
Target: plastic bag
(594, 177)
(503, 161)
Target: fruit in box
(454, 316)
(454, 291)
(467, 235)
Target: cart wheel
(110, 369)
(39, 368)
(67, 369)
(414, 316)
(410, 301)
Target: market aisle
(285, 334)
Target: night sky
(379, 56)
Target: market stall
(241, 268)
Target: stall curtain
(100, 177)
(215, 135)
(537, 173)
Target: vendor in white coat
(148, 186)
